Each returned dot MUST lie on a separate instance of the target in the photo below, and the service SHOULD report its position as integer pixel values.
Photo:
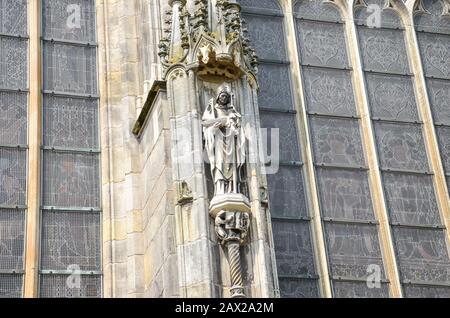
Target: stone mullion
(431, 142)
(305, 142)
(34, 152)
(375, 179)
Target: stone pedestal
(231, 214)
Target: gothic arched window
(13, 144)
(290, 216)
(71, 217)
(417, 230)
(432, 23)
(433, 35)
(350, 226)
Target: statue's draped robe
(225, 148)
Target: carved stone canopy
(212, 40)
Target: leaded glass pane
(401, 146)
(267, 36)
(366, 15)
(13, 118)
(345, 194)
(13, 63)
(359, 290)
(432, 20)
(70, 68)
(322, 44)
(337, 141)
(317, 10)
(411, 199)
(56, 286)
(392, 97)
(287, 129)
(443, 134)
(352, 249)
(422, 255)
(71, 180)
(435, 51)
(298, 288)
(12, 227)
(13, 174)
(260, 4)
(13, 17)
(383, 50)
(329, 91)
(10, 286)
(439, 93)
(287, 194)
(70, 122)
(414, 291)
(275, 89)
(70, 238)
(293, 248)
(69, 19)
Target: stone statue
(225, 142)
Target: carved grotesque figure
(225, 142)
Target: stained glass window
(350, 230)
(420, 246)
(433, 35)
(13, 144)
(289, 207)
(424, 253)
(71, 217)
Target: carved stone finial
(215, 24)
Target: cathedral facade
(224, 148)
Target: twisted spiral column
(234, 259)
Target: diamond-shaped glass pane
(13, 118)
(329, 91)
(322, 44)
(275, 87)
(70, 68)
(284, 126)
(11, 286)
(293, 248)
(267, 36)
(71, 180)
(70, 239)
(353, 250)
(13, 17)
(337, 141)
(13, 174)
(12, 233)
(392, 97)
(70, 122)
(287, 194)
(345, 194)
(401, 146)
(298, 288)
(13, 63)
(383, 50)
(411, 199)
(57, 286)
(422, 255)
(435, 51)
(69, 19)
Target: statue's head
(224, 95)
